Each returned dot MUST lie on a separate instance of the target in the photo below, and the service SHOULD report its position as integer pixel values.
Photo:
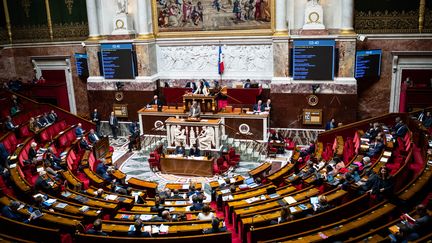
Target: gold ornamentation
(119, 24)
(119, 96)
(7, 18)
(246, 32)
(26, 5)
(314, 18)
(48, 12)
(386, 22)
(421, 15)
(69, 5)
(312, 100)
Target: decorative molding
(26, 5)
(241, 61)
(386, 21)
(69, 5)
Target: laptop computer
(271, 190)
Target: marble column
(347, 15)
(93, 59)
(144, 21)
(281, 27)
(92, 19)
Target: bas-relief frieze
(247, 60)
(304, 88)
(128, 86)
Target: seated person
(194, 151)
(382, 184)
(11, 212)
(33, 125)
(180, 149)
(411, 231)
(176, 195)
(285, 216)
(42, 122)
(322, 205)
(44, 183)
(427, 120)
(205, 214)
(258, 107)
(93, 137)
(373, 131)
(133, 128)
(156, 101)
(32, 153)
(191, 85)
(138, 225)
(9, 124)
(84, 144)
(309, 150)
(215, 227)
(97, 228)
(14, 110)
(195, 110)
(165, 217)
(103, 171)
(99, 193)
(52, 117)
(375, 148)
(79, 132)
(268, 105)
(197, 204)
(247, 84)
(400, 129)
(53, 159)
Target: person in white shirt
(206, 214)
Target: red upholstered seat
(92, 162)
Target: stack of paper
(163, 229)
(227, 198)
(145, 217)
(252, 199)
(225, 191)
(84, 209)
(60, 205)
(154, 229)
(387, 153)
(185, 186)
(111, 197)
(50, 201)
(293, 209)
(290, 200)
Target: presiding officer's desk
(253, 125)
(196, 166)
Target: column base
(147, 36)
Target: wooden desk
(206, 103)
(149, 186)
(263, 168)
(153, 122)
(182, 186)
(197, 166)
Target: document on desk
(154, 229)
(60, 205)
(290, 200)
(163, 229)
(145, 217)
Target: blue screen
(117, 61)
(368, 64)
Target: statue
(313, 16)
(206, 138)
(179, 135)
(122, 6)
(192, 138)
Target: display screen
(81, 65)
(368, 64)
(117, 61)
(313, 59)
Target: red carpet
(230, 227)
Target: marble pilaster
(347, 51)
(144, 20)
(281, 59)
(347, 16)
(281, 26)
(146, 56)
(93, 60)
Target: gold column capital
(422, 8)
(7, 19)
(48, 12)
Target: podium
(207, 102)
(207, 133)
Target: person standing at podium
(258, 107)
(201, 89)
(156, 101)
(195, 110)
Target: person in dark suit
(247, 84)
(95, 117)
(138, 230)
(258, 107)
(268, 106)
(93, 137)
(113, 122)
(32, 153)
(97, 228)
(4, 156)
(9, 124)
(331, 124)
(79, 132)
(180, 149)
(400, 129)
(52, 116)
(42, 183)
(376, 147)
(421, 226)
(11, 212)
(84, 144)
(156, 101)
(427, 120)
(194, 151)
(191, 85)
(215, 227)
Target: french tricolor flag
(221, 66)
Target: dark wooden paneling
(255, 125)
(288, 109)
(104, 100)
